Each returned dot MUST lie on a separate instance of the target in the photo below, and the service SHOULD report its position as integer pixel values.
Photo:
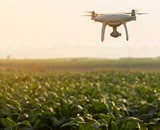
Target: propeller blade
(102, 14)
(126, 13)
(135, 10)
(91, 12)
(141, 13)
(137, 13)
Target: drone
(114, 21)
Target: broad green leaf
(8, 122)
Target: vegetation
(92, 100)
(80, 65)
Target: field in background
(80, 94)
(81, 65)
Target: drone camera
(115, 34)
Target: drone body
(114, 21)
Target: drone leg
(126, 30)
(103, 31)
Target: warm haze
(55, 29)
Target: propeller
(141, 13)
(134, 10)
(137, 13)
(89, 13)
(92, 13)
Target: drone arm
(126, 30)
(103, 31)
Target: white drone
(113, 20)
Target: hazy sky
(55, 28)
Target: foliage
(93, 100)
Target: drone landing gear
(115, 33)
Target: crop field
(88, 95)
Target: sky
(57, 29)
